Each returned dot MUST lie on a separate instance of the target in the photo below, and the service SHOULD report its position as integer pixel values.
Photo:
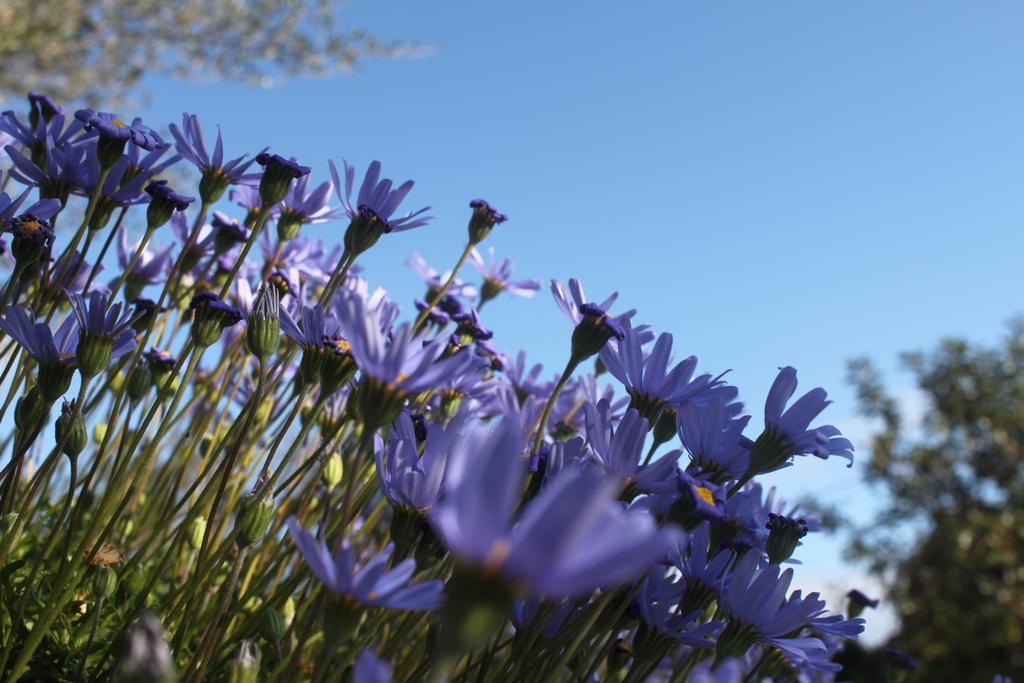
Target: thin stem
(562, 381)
(439, 294)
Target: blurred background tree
(949, 546)
(95, 51)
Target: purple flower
(405, 363)
(572, 538)
(664, 622)
(149, 268)
(43, 134)
(110, 127)
(52, 348)
(700, 571)
(787, 432)
(412, 473)
(618, 450)
(436, 280)
(217, 173)
(376, 200)
(98, 319)
(301, 206)
(760, 612)
(369, 668)
(44, 209)
(698, 499)
(594, 327)
(714, 441)
(647, 378)
(498, 277)
(372, 584)
(160, 191)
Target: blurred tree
(91, 49)
(950, 544)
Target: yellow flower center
(704, 493)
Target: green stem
(562, 381)
(439, 294)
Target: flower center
(704, 493)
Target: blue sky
(774, 183)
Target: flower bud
(93, 353)
(338, 366)
(32, 237)
(263, 330)
(145, 310)
(31, 411)
(858, 602)
(253, 519)
(245, 667)
(272, 626)
(196, 531)
(99, 432)
(70, 430)
(54, 379)
(163, 203)
(140, 381)
(364, 230)
(593, 332)
(783, 536)
(227, 233)
(483, 220)
(332, 472)
(211, 317)
(104, 582)
(161, 364)
(136, 582)
(288, 611)
(288, 225)
(278, 174)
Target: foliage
(97, 51)
(955, 483)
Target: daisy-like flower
(372, 214)
(302, 206)
(411, 469)
(498, 277)
(760, 613)
(651, 385)
(55, 351)
(217, 173)
(104, 332)
(572, 538)
(436, 280)
(149, 268)
(370, 585)
(392, 368)
(787, 432)
(705, 576)
(713, 439)
(114, 134)
(619, 449)
(594, 326)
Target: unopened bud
(104, 582)
(333, 471)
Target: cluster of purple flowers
(548, 510)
